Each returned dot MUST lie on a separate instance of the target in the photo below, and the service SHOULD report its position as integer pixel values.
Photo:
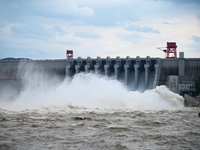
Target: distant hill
(11, 58)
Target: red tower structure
(170, 52)
(69, 54)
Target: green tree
(197, 86)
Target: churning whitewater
(89, 91)
(91, 111)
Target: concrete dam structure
(137, 73)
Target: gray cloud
(25, 11)
(17, 30)
(58, 30)
(196, 38)
(198, 16)
(133, 38)
(1, 27)
(103, 15)
(30, 32)
(166, 22)
(183, 1)
(108, 14)
(112, 15)
(87, 34)
(144, 29)
(43, 21)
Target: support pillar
(88, 65)
(107, 66)
(117, 68)
(147, 72)
(157, 73)
(96, 69)
(69, 71)
(117, 71)
(69, 68)
(78, 65)
(137, 71)
(77, 68)
(127, 73)
(107, 69)
(181, 64)
(98, 65)
(87, 68)
(127, 69)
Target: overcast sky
(45, 29)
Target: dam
(136, 73)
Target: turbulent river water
(93, 112)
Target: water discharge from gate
(88, 91)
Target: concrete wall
(172, 83)
(115, 67)
(192, 68)
(9, 69)
(168, 67)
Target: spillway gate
(137, 73)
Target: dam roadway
(136, 72)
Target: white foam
(89, 91)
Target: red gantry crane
(170, 50)
(69, 54)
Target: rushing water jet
(87, 90)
